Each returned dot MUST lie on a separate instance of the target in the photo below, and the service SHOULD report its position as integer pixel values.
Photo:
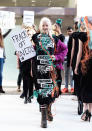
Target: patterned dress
(44, 50)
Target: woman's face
(82, 27)
(45, 27)
(56, 27)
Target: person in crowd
(85, 56)
(74, 55)
(2, 57)
(25, 68)
(76, 77)
(46, 75)
(19, 79)
(57, 31)
(26, 72)
(68, 73)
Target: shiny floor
(16, 116)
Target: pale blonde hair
(48, 21)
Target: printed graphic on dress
(39, 81)
(45, 92)
(43, 57)
(43, 68)
(46, 41)
(45, 62)
(47, 86)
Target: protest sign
(23, 45)
(28, 18)
(7, 20)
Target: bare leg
(90, 107)
(85, 106)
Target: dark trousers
(20, 77)
(59, 78)
(28, 85)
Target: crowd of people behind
(55, 52)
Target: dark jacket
(69, 50)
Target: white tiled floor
(16, 116)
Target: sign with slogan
(28, 18)
(23, 45)
(7, 19)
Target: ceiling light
(33, 1)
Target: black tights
(59, 78)
(28, 85)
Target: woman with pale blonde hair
(44, 49)
(47, 24)
(46, 46)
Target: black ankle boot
(22, 95)
(49, 114)
(80, 107)
(89, 116)
(29, 99)
(25, 101)
(86, 116)
(1, 90)
(44, 116)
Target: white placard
(23, 45)
(28, 18)
(7, 19)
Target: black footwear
(22, 95)
(25, 101)
(49, 114)
(80, 107)
(2, 91)
(29, 99)
(86, 116)
(89, 116)
(44, 116)
(60, 92)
